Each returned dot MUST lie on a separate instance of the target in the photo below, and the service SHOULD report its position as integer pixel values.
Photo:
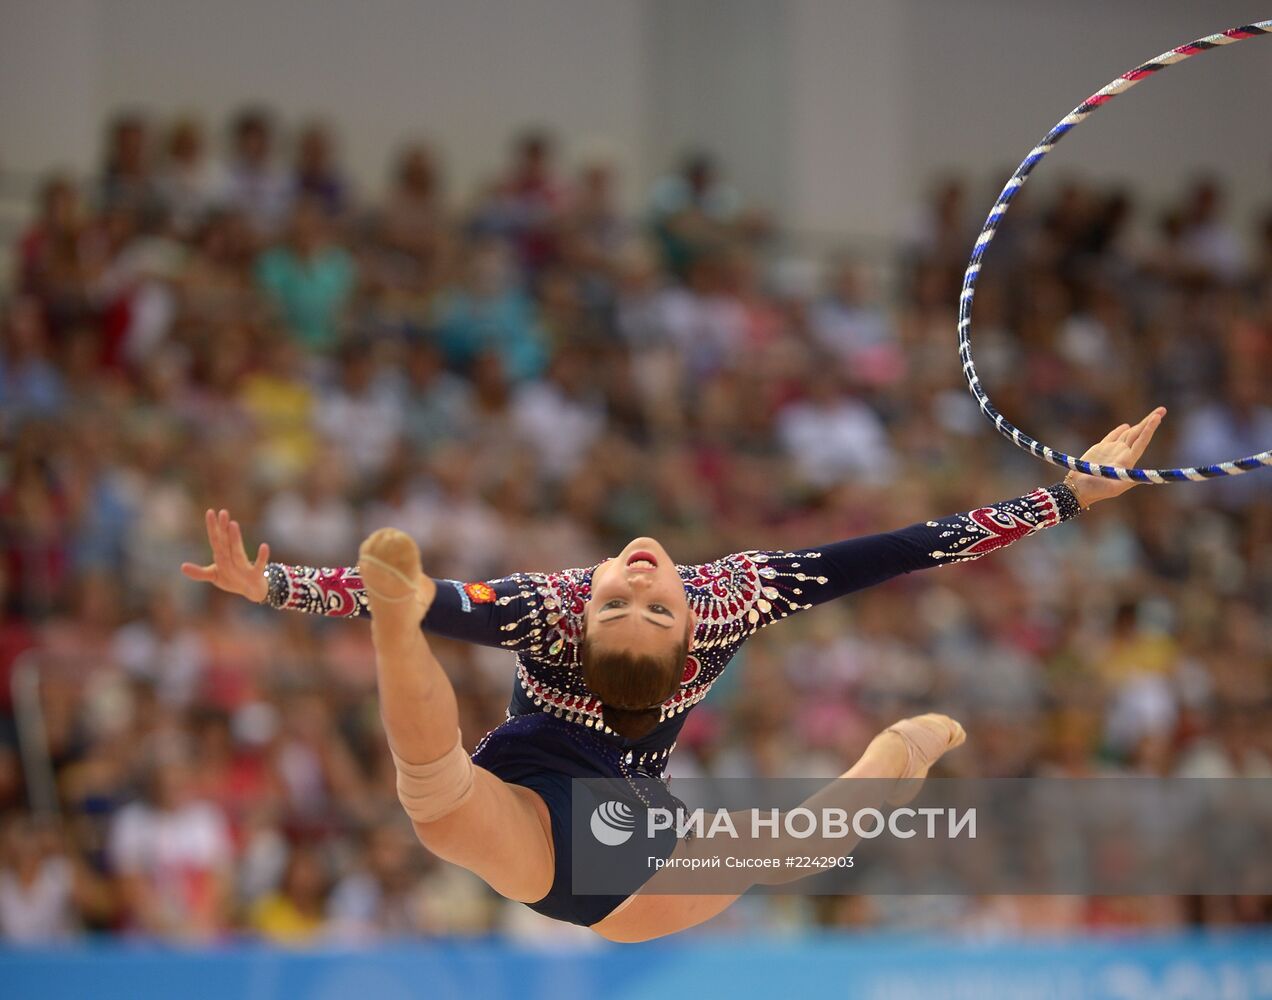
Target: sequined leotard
(554, 728)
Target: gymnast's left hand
(1122, 446)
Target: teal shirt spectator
(504, 324)
(308, 292)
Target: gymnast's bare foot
(917, 744)
(398, 591)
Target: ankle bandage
(433, 790)
(923, 745)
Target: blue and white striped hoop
(1018, 437)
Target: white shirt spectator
(362, 910)
(320, 529)
(174, 662)
(1214, 247)
(263, 195)
(366, 425)
(417, 513)
(1218, 433)
(170, 846)
(848, 329)
(833, 439)
(1144, 706)
(559, 428)
(191, 191)
(41, 912)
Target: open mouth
(642, 562)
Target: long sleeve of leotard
(742, 593)
(525, 612)
(857, 563)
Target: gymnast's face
(638, 601)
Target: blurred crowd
(523, 375)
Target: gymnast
(608, 661)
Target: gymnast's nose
(639, 581)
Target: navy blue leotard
(554, 731)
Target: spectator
(317, 174)
(438, 404)
(490, 313)
(127, 179)
(593, 215)
(294, 914)
(525, 205)
(1209, 244)
(189, 185)
(59, 254)
(281, 403)
(30, 384)
(850, 326)
(692, 212)
(164, 651)
(829, 435)
(1231, 427)
(361, 415)
(256, 185)
(414, 225)
(559, 417)
(172, 853)
(43, 888)
(375, 901)
(314, 520)
(308, 279)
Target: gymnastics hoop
(1018, 437)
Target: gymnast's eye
(611, 605)
(660, 609)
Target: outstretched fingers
(238, 551)
(1144, 432)
(227, 542)
(213, 526)
(218, 527)
(204, 574)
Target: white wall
(49, 55)
(980, 103)
(720, 80)
(834, 112)
(467, 73)
(849, 98)
(887, 95)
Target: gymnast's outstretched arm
(514, 612)
(742, 593)
(863, 562)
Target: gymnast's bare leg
(903, 752)
(498, 831)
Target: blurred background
(526, 280)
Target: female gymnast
(609, 659)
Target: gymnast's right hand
(229, 570)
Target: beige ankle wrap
(924, 744)
(430, 791)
